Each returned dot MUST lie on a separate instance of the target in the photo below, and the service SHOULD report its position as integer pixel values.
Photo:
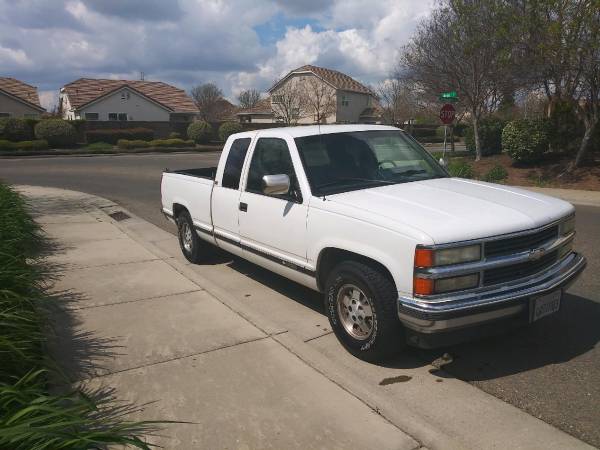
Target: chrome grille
(516, 271)
(520, 243)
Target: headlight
(567, 226)
(426, 257)
(428, 286)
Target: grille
(517, 244)
(516, 271)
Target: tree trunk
(476, 136)
(590, 127)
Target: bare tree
(318, 99)
(286, 102)
(400, 99)
(208, 99)
(249, 98)
(463, 46)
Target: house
(125, 100)
(18, 99)
(259, 113)
(312, 94)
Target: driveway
(551, 370)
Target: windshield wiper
(338, 180)
(411, 172)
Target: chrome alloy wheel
(186, 237)
(355, 311)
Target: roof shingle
(22, 91)
(263, 106)
(86, 90)
(337, 79)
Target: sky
(236, 44)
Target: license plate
(546, 304)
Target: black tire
(387, 333)
(196, 251)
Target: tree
(463, 46)
(398, 98)
(207, 98)
(286, 102)
(317, 98)
(249, 98)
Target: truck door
(273, 226)
(226, 195)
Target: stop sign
(447, 113)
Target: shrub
(490, 136)
(460, 169)
(525, 140)
(565, 129)
(229, 128)
(174, 135)
(99, 146)
(495, 174)
(58, 132)
(199, 131)
(39, 144)
(15, 129)
(126, 144)
(112, 136)
(172, 143)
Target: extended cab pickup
(402, 252)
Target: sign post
(447, 114)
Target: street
(550, 370)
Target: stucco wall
(137, 108)
(356, 104)
(15, 108)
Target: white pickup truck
(402, 252)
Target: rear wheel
(192, 247)
(361, 306)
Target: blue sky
(237, 44)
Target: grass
(31, 417)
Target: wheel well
(178, 209)
(331, 257)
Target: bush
(99, 146)
(112, 136)
(126, 144)
(490, 136)
(199, 132)
(15, 129)
(525, 140)
(565, 129)
(172, 143)
(460, 169)
(39, 144)
(174, 135)
(496, 174)
(58, 132)
(229, 128)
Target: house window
(4, 114)
(345, 101)
(91, 116)
(117, 116)
(124, 95)
(277, 98)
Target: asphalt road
(551, 369)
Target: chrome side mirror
(276, 184)
(443, 162)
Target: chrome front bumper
(456, 311)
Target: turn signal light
(424, 257)
(423, 286)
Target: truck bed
(202, 172)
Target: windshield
(341, 162)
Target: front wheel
(360, 302)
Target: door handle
(243, 206)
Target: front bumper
(498, 304)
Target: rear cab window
(235, 162)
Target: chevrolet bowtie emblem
(536, 254)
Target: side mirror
(276, 184)
(443, 162)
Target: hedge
(490, 136)
(126, 144)
(229, 128)
(525, 140)
(16, 129)
(58, 132)
(40, 144)
(200, 132)
(112, 136)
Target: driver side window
(272, 157)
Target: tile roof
(262, 107)
(22, 91)
(337, 79)
(86, 90)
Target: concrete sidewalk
(249, 368)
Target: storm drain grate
(119, 216)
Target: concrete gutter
(249, 366)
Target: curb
(141, 151)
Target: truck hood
(454, 209)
